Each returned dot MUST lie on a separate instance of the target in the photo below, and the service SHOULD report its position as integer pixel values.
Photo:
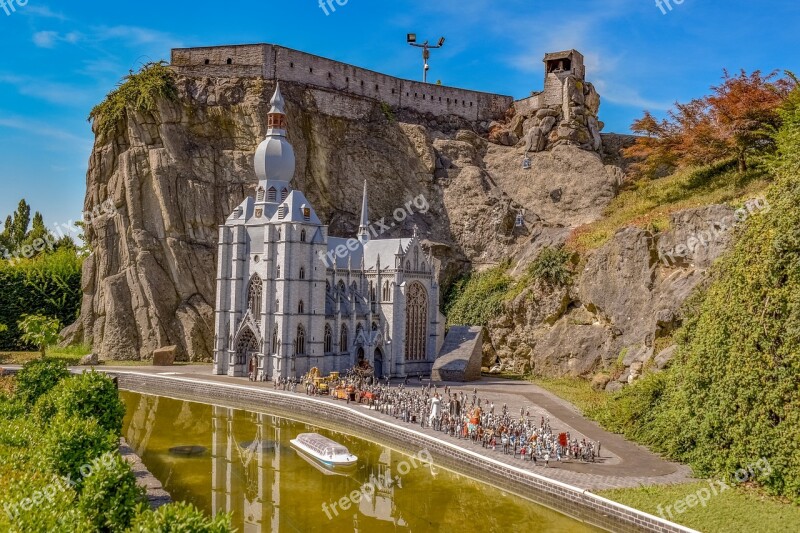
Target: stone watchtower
(557, 67)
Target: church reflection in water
(246, 467)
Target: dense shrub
(552, 266)
(474, 300)
(89, 395)
(49, 507)
(73, 442)
(48, 285)
(110, 496)
(180, 518)
(139, 91)
(38, 377)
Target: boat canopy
(322, 445)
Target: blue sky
(59, 59)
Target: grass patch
(649, 203)
(577, 391)
(742, 508)
(71, 355)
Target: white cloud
(56, 93)
(41, 129)
(43, 12)
(49, 39)
(135, 37)
(45, 39)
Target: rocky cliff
(175, 172)
(620, 313)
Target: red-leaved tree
(735, 121)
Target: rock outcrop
(175, 173)
(620, 313)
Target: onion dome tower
(274, 159)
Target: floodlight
(441, 41)
(412, 37)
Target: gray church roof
(295, 203)
(386, 249)
(368, 252)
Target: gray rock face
(628, 296)
(89, 360)
(174, 174)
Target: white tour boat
(324, 450)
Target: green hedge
(73, 430)
(48, 285)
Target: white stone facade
(289, 297)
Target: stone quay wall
(284, 64)
(572, 501)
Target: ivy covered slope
(732, 394)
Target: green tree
(41, 331)
(38, 236)
(16, 228)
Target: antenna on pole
(411, 39)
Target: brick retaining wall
(572, 501)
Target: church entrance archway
(378, 362)
(246, 347)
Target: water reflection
(251, 471)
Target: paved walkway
(621, 462)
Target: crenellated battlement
(284, 64)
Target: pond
(234, 461)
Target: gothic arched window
(278, 272)
(387, 293)
(272, 194)
(341, 286)
(254, 292)
(408, 265)
(343, 345)
(328, 339)
(284, 194)
(302, 273)
(372, 296)
(302, 235)
(300, 342)
(359, 330)
(275, 339)
(416, 323)
(301, 308)
(260, 194)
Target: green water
(278, 490)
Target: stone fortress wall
(284, 64)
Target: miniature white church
(289, 297)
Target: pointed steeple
(274, 158)
(363, 228)
(276, 118)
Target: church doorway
(360, 354)
(378, 362)
(247, 345)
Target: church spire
(274, 159)
(276, 118)
(363, 228)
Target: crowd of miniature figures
(455, 413)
